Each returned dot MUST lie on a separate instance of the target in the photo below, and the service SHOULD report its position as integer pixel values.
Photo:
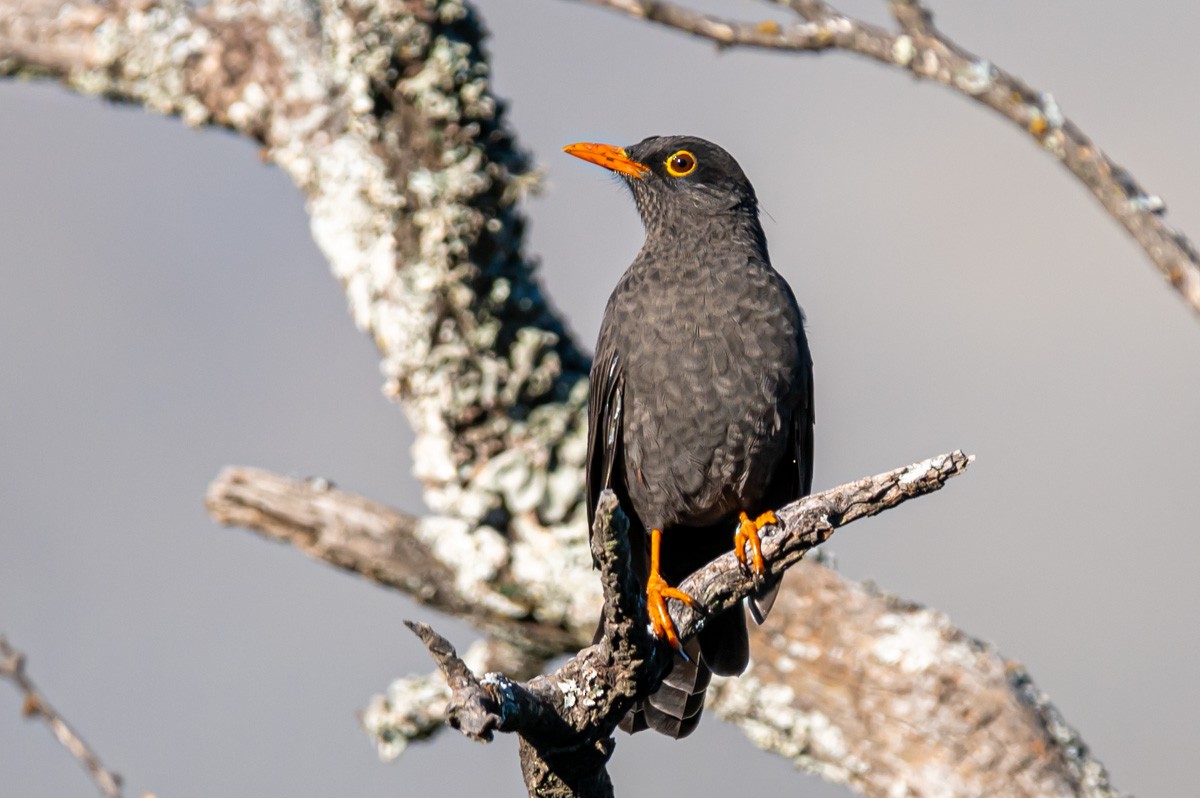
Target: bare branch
(392, 548)
(566, 719)
(414, 707)
(35, 705)
(227, 64)
(926, 53)
(807, 523)
(824, 631)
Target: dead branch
(362, 536)
(805, 696)
(856, 685)
(566, 719)
(35, 706)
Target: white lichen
(475, 554)
(976, 77)
(1148, 203)
(569, 692)
(917, 471)
(768, 715)
(911, 641)
(1051, 111)
(413, 708)
(800, 650)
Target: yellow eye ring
(681, 164)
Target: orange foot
(657, 593)
(748, 533)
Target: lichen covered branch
(35, 706)
(829, 642)
(566, 719)
(808, 522)
(417, 556)
(382, 114)
(922, 50)
(888, 697)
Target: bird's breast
(711, 364)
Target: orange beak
(609, 157)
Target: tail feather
(722, 647)
(760, 603)
(725, 643)
(675, 708)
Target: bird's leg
(748, 533)
(657, 593)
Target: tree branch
(391, 548)
(803, 697)
(414, 707)
(858, 686)
(35, 705)
(566, 719)
(926, 53)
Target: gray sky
(165, 312)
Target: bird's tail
(675, 708)
(722, 647)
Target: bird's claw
(657, 593)
(748, 534)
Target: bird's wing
(805, 420)
(606, 394)
(795, 476)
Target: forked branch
(566, 719)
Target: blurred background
(164, 312)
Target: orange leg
(748, 533)
(657, 593)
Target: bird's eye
(681, 164)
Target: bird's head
(676, 180)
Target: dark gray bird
(700, 416)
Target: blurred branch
(35, 705)
(888, 697)
(396, 550)
(922, 50)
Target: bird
(700, 407)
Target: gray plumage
(701, 393)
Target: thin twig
(922, 50)
(35, 705)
